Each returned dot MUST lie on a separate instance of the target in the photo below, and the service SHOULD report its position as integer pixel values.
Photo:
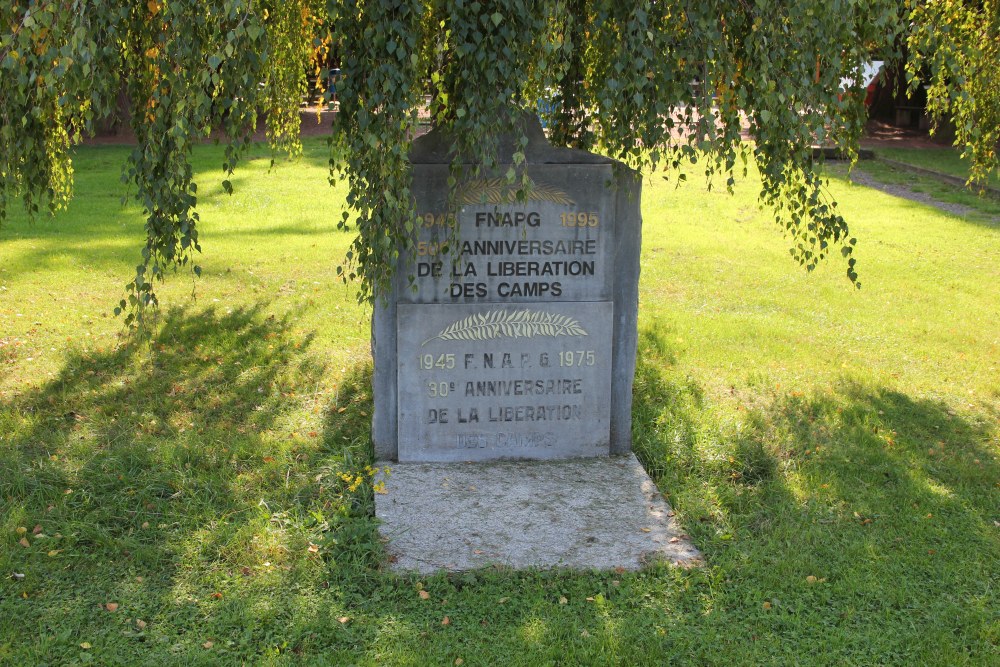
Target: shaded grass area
(833, 453)
(157, 476)
(834, 520)
(984, 207)
(946, 160)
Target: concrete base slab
(597, 513)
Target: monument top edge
(437, 147)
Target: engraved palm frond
(510, 324)
(498, 191)
(545, 192)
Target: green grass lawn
(833, 452)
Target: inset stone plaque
(513, 336)
(504, 381)
(554, 247)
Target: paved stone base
(598, 513)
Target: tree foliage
(957, 44)
(652, 83)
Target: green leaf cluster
(654, 84)
(955, 51)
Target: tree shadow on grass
(256, 548)
(162, 473)
(862, 517)
(814, 528)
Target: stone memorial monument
(518, 341)
(510, 343)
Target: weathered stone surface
(572, 246)
(557, 246)
(580, 513)
(468, 391)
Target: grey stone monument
(518, 340)
(510, 343)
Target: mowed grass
(833, 452)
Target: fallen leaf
(811, 579)
(766, 605)
(620, 570)
(477, 551)
(458, 661)
(138, 580)
(21, 530)
(445, 621)
(590, 599)
(141, 624)
(645, 530)
(675, 540)
(145, 524)
(216, 595)
(111, 606)
(343, 619)
(37, 529)
(24, 542)
(313, 548)
(563, 600)
(423, 595)
(342, 410)
(268, 459)
(17, 576)
(54, 552)
(208, 644)
(584, 634)
(85, 646)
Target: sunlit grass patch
(832, 452)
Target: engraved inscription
(469, 385)
(554, 245)
(504, 328)
(498, 191)
(510, 324)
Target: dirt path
(861, 178)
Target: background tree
(652, 83)
(958, 43)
